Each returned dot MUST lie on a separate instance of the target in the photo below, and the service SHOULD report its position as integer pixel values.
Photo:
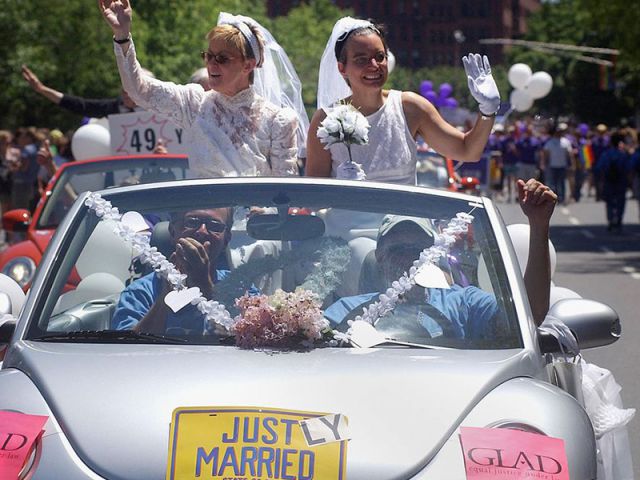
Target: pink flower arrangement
(281, 320)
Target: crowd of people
(574, 159)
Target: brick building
(425, 33)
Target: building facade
(424, 33)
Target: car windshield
(80, 177)
(270, 256)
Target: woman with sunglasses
(251, 122)
(353, 70)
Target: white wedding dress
(243, 135)
(391, 154)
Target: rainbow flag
(606, 80)
(586, 156)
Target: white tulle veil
(276, 80)
(331, 86)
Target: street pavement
(602, 266)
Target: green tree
(304, 33)
(576, 83)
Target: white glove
(350, 171)
(481, 83)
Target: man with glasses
(200, 238)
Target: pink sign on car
(18, 435)
(502, 453)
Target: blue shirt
(136, 300)
(527, 149)
(469, 309)
(614, 166)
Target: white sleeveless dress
(391, 154)
(243, 135)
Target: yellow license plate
(249, 443)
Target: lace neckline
(244, 98)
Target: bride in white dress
(251, 123)
(353, 69)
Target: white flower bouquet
(344, 124)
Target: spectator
(528, 148)
(599, 143)
(9, 158)
(87, 107)
(557, 156)
(201, 77)
(25, 171)
(614, 168)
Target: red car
(20, 260)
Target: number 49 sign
(139, 133)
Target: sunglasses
(212, 226)
(362, 60)
(219, 58)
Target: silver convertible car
(293, 329)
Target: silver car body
(109, 405)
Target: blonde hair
(6, 136)
(234, 38)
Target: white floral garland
(442, 244)
(212, 310)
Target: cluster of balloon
(91, 140)
(440, 99)
(528, 86)
(519, 233)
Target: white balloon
(90, 141)
(539, 85)
(519, 75)
(103, 122)
(105, 252)
(520, 100)
(519, 233)
(560, 293)
(15, 293)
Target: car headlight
(20, 269)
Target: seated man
(457, 312)
(200, 238)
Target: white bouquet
(344, 124)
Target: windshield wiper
(110, 336)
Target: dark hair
(374, 28)
(616, 138)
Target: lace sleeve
(180, 103)
(284, 144)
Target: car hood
(115, 402)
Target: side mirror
(16, 220)
(593, 323)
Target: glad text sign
(501, 453)
(252, 443)
(18, 434)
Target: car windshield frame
(69, 171)
(193, 194)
